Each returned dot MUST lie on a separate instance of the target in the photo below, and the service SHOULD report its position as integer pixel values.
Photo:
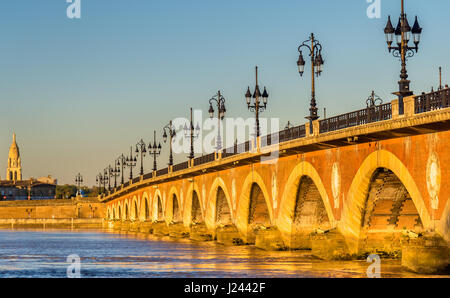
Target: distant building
(14, 188)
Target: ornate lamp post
(106, 177)
(141, 148)
(99, 180)
(154, 150)
(78, 182)
(221, 110)
(315, 52)
(131, 161)
(257, 106)
(403, 50)
(115, 172)
(191, 133)
(169, 127)
(122, 163)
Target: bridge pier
(178, 230)
(330, 245)
(160, 228)
(300, 241)
(385, 244)
(199, 232)
(229, 235)
(146, 227)
(125, 226)
(269, 239)
(134, 226)
(428, 254)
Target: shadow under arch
(158, 207)
(134, 208)
(120, 211)
(173, 210)
(211, 204)
(144, 213)
(193, 207)
(253, 195)
(351, 222)
(289, 199)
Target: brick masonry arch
(211, 208)
(289, 197)
(350, 224)
(169, 216)
(188, 203)
(145, 203)
(243, 209)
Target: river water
(43, 253)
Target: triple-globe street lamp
(154, 150)
(171, 129)
(314, 49)
(257, 105)
(219, 100)
(141, 149)
(403, 51)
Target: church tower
(14, 170)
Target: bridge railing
(284, 136)
(180, 166)
(368, 115)
(432, 101)
(148, 176)
(162, 172)
(204, 159)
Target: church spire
(14, 169)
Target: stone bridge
(364, 182)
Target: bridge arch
(218, 198)
(304, 172)
(108, 213)
(158, 207)
(134, 208)
(126, 211)
(352, 215)
(173, 207)
(119, 213)
(251, 209)
(114, 212)
(193, 207)
(145, 207)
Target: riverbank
(51, 223)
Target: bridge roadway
(367, 181)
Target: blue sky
(80, 92)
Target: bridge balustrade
(432, 101)
(204, 159)
(162, 172)
(368, 115)
(180, 166)
(148, 175)
(284, 136)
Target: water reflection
(39, 253)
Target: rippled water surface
(36, 253)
